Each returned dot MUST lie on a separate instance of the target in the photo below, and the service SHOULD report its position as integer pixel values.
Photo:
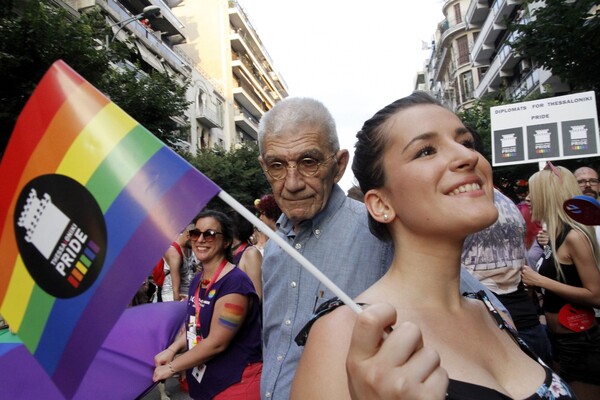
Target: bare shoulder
(577, 240)
(172, 256)
(338, 323)
(321, 373)
(253, 253)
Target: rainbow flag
(91, 201)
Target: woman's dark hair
(242, 228)
(477, 140)
(226, 228)
(372, 141)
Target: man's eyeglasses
(587, 182)
(306, 167)
(209, 234)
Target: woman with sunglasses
(220, 345)
(426, 189)
(569, 276)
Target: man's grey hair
(291, 113)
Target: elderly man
(303, 162)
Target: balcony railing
(148, 38)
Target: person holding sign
(426, 188)
(220, 344)
(569, 276)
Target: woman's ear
(378, 206)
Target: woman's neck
(211, 267)
(430, 271)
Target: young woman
(426, 189)
(220, 344)
(570, 279)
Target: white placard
(548, 129)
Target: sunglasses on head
(209, 234)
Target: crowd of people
(464, 293)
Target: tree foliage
(36, 33)
(149, 98)
(30, 42)
(564, 37)
(237, 172)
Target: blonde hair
(548, 190)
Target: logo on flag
(61, 234)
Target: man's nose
(293, 180)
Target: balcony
(242, 70)
(502, 67)
(244, 94)
(246, 122)
(492, 29)
(168, 24)
(208, 116)
(245, 41)
(477, 11)
(159, 51)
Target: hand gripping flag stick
(307, 265)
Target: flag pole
(290, 250)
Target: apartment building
(501, 70)
(223, 44)
(472, 58)
(210, 44)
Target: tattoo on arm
(231, 316)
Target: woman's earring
(385, 217)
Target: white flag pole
(290, 250)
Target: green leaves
(36, 33)
(238, 172)
(564, 37)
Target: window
(457, 14)
(466, 81)
(463, 50)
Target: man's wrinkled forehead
(293, 155)
(306, 141)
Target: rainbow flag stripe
(73, 151)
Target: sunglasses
(209, 234)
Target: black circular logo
(61, 234)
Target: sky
(354, 57)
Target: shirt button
(293, 284)
(298, 246)
(288, 322)
(279, 358)
(317, 231)
(268, 395)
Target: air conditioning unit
(524, 66)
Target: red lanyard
(197, 297)
(240, 248)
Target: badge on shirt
(191, 335)
(198, 372)
(577, 319)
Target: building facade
(472, 58)
(223, 44)
(212, 45)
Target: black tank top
(552, 302)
